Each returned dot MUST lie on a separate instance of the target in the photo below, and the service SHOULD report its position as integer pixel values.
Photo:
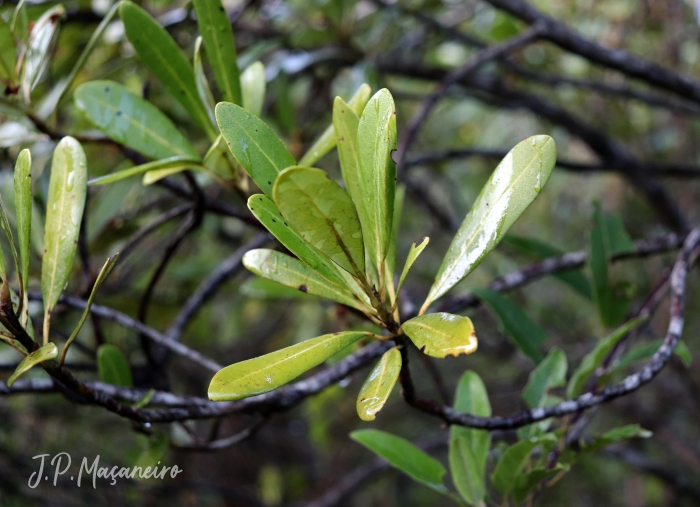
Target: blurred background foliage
(314, 50)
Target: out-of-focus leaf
(43, 34)
(442, 334)
(253, 85)
(45, 353)
(291, 272)
(379, 384)
(131, 121)
(156, 447)
(512, 187)
(376, 139)
(200, 79)
(113, 366)
(262, 288)
(254, 145)
(645, 352)
(413, 254)
(270, 216)
(403, 455)
(327, 141)
(108, 265)
(23, 211)
(219, 160)
(538, 250)
(532, 481)
(13, 133)
(512, 463)
(391, 253)
(167, 61)
(323, 213)
(518, 326)
(595, 358)
(64, 212)
(171, 163)
(8, 52)
(571, 455)
(465, 471)
(215, 27)
(268, 372)
(20, 24)
(551, 372)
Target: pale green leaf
(253, 86)
(167, 61)
(323, 213)
(413, 253)
(45, 353)
(268, 372)
(64, 212)
(442, 334)
(512, 187)
(215, 27)
(131, 121)
(172, 163)
(113, 366)
(254, 145)
(551, 372)
(36, 59)
(200, 80)
(379, 384)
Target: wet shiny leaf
(45, 353)
(379, 384)
(442, 334)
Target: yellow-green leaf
(172, 163)
(512, 187)
(23, 211)
(268, 372)
(413, 254)
(200, 80)
(323, 213)
(215, 27)
(64, 212)
(442, 334)
(131, 121)
(253, 85)
(345, 123)
(379, 384)
(8, 52)
(292, 272)
(113, 366)
(254, 145)
(45, 353)
(167, 61)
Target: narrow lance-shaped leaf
(167, 61)
(23, 217)
(113, 366)
(253, 85)
(403, 455)
(20, 23)
(376, 138)
(11, 240)
(45, 353)
(200, 79)
(267, 212)
(518, 326)
(551, 372)
(465, 471)
(512, 463)
(215, 27)
(43, 34)
(254, 145)
(442, 334)
(585, 448)
(176, 163)
(345, 123)
(327, 141)
(322, 212)
(8, 53)
(646, 351)
(391, 253)
(512, 187)
(64, 212)
(291, 272)
(413, 253)
(379, 384)
(132, 121)
(268, 372)
(106, 269)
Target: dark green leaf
(551, 372)
(532, 481)
(512, 463)
(113, 366)
(571, 455)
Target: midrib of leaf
(214, 31)
(330, 288)
(466, 246)
(245, 131)
(374, 220)
(140, 127)
(436, 331)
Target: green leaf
(323, 213)
(268, 372)
(391, 253)
(442, 334)
(131, 121)
(291, 272)
(551, 372)
(466, 472)
(253, 85)
(413, 254)
(379, 384)
(113, 366)
(36, 59)
(512, 187)
(45, 353)
(253, 144)
(403, 455)
(215, 27)
(262, 288)
(532, 481)
(595, 358)
(328, 139)
(8, 52)
(200, 80)
(172, 163)
(166, 60)
(345, 123)
(376, 140)
(538, 250)
(155, 448)
(511, 464)
(518, 326)
(267, 212)
(23, 211)
(106, 269)
(20, 24)
(647, 351)
(64, 212)
(571, 455)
